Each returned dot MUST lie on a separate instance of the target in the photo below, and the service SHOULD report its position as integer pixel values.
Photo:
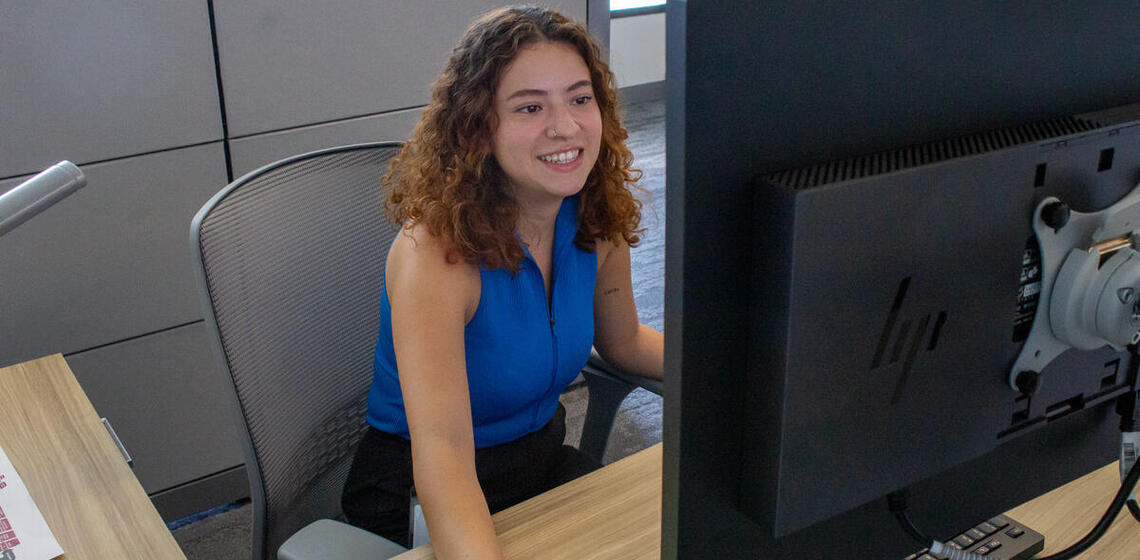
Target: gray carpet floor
(226, 535)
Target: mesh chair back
(291, 264)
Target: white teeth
(561, 157)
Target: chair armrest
(607, 386)
(326, 539)
(599, 366)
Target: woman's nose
(563, 123)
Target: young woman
(513, 259)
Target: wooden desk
(612, 514)
(1066, 514)
(93, 504)
(615, 514)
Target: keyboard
(1000, 537)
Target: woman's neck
(536, 223)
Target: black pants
(377, 494)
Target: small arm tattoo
(611, 291)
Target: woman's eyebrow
(579, 84)
(527, 93)
(542, 92)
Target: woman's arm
(618, 335)
(431, 302)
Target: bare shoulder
(608, 249)
(421, 264)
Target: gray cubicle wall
(100, 80)
(130, 92)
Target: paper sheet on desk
(24, 535)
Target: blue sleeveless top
(521, 353)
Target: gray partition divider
(109, 262)
(251, 152)
(291, 63)
(90, 81)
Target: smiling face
(549, 126)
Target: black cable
(1126, 408)
(1105, 521)
(896, 502)
(909, 527)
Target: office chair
(290, 263)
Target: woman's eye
(583, 100)
(529, 109)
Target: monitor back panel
(888, 319)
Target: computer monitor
(830, 342)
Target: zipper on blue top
(558, 254)
(549, 305)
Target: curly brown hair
(446, 176)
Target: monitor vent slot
(925, 154)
